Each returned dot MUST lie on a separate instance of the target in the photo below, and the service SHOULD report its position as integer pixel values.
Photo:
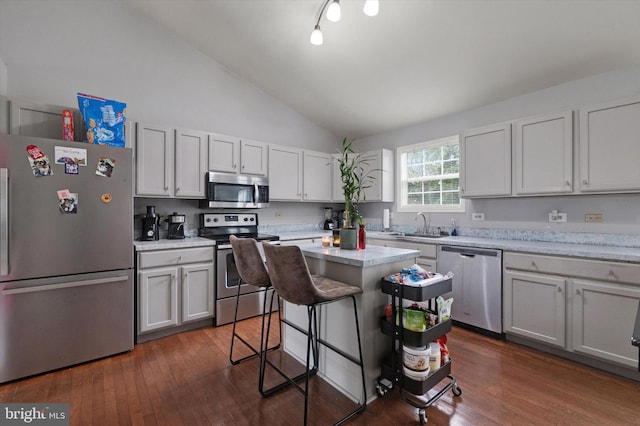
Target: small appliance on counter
(328, 218)
(176, 226)
(150, 222)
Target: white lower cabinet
(603, 319)
(534, 306)
(175, 287)
(587, 307)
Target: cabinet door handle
(533, 264)
(235, 165)
(585, 182)
(568, 183)
(242, 167)
(559, 289)
(166, 188)
(578, 292)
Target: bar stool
(252, 271)
(291, 279)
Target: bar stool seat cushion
(292, 280)
(328, 289)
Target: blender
(150, 222)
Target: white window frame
(401, 163)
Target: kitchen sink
(425, 235)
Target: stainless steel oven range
(218, 227)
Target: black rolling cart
(392, 373)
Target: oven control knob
(252, 219)
(246, 219)
(215, 219)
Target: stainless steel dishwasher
(476, 285)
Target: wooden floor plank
(187, 379)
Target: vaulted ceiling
(415, 61)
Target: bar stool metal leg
(255, 352)
(264, 361)
(313, 342)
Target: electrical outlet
(594, 217)
(556, 217)
(477, 216)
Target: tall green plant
(354, 179)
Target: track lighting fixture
(334, 12)
(371, 7)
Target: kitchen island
(362, 268)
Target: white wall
(621, 212)
(54, 49)
(3, 77)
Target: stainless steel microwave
(229, 190)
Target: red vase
(362, 237)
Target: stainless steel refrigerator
(66, 254)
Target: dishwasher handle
(471, 252)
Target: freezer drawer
(47, 324)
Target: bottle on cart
(434, 356)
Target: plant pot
(349, 238)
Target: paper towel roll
(385, 219)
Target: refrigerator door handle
(4, 221)
(82, 283)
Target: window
(430, 176)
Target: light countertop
(372, 255)
(590, 251)
(164, 244)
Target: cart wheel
(422, 416)
(457, 391)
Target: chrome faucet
(425, 226)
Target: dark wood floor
(187, 379)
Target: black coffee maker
(150, 222)
(176, 226)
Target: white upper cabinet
(190, 163)
(544, 154)
(317, 167)
(381, 166)
(253, 157)
(485, 162)
(610, 147)
(285, 173)
(40, 120)
(233, 155)
(154, 160)
(224, 153)
(170, 162)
